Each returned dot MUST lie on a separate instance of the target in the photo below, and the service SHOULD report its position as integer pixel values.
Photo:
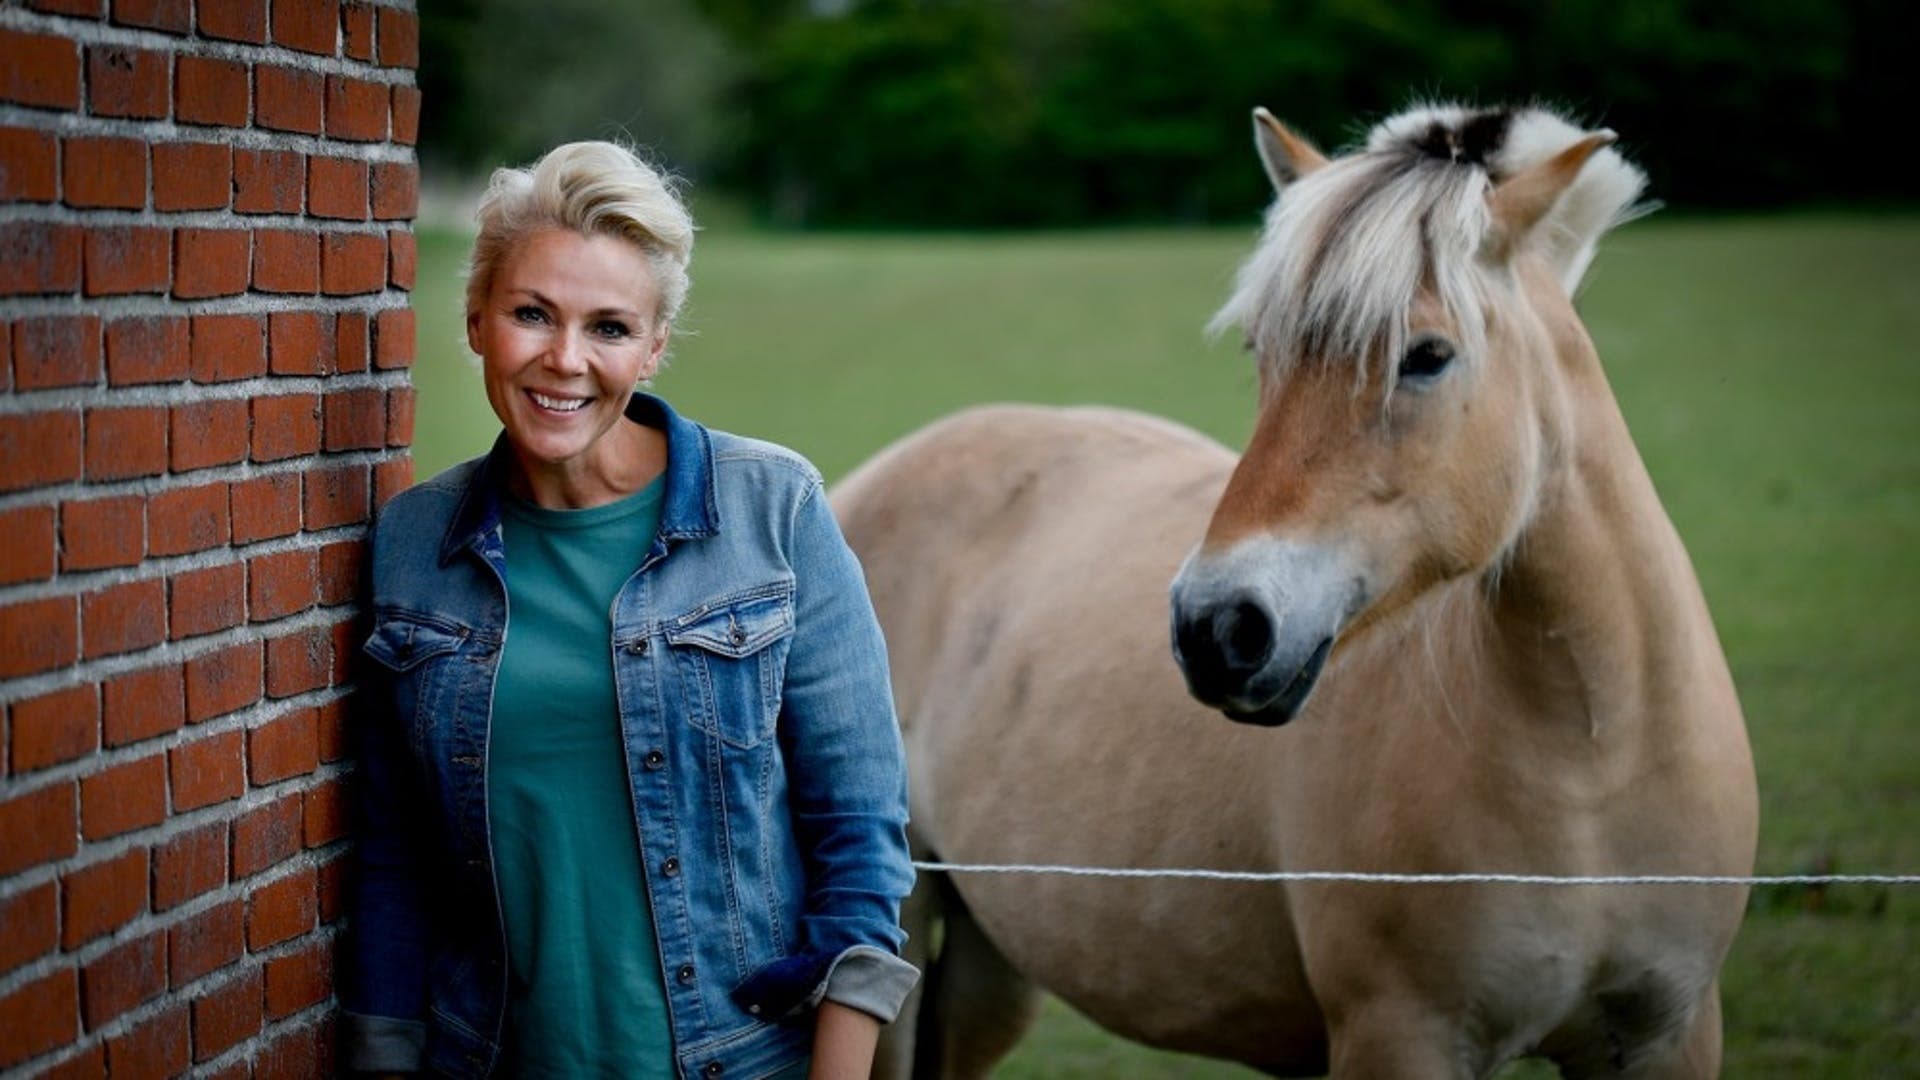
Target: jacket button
(714, 1068)
(637, 646)
(685, 974)
(654, 759)
(671, 867)
(739, 636)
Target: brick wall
(205, 253)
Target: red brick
(156, 1049)
(38, 635)
(346, 636)
(268, 181)
(337, 188)
(227, 347)
(39, 69)
(56, 350)
(333, 892)
(282, 911)
(399, 38)
(207, 601)
(102, 897)
(240, 1069)
(265, 507)
(396, 190)
(357, 110)
(406, 115)
(130, 259)
(288, 99)
(400, 407)
(325, 813)
(284, 747)
(123, 81)
(299, 979)
(286, 426)
(225, 1017)
(103, 172)
(352, 263)
(209, 262)
(89, 1063)
(124, 797)
(393, 331)
(38, 1017)
(29, 926)
(210, 91)
(403, 258)
(352, 332)
(147, 349)
(331, 729)
(55, 727)
(286, 261)
(307, 25)
(39, 257)
(390, 478)
(336, 496)
(172, 16)
(299, 662)
(39, 449)
(124, 618)
(340, 571)
(122, 978)
(186, 520)
(84, 9)
(266, 835)
(234, 20)
(6, 354)
(126, 442)
(29, 166)
(300, 342)
(206, 771)
(37, 827)
(189, 864)
(102, 533)
(26, 544)
(224, 680)
(281, 584)
(355, 419)
(208, 433)
(356, 29)
(143, 705)
(192, 176)
(204, 943)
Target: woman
(633, 795)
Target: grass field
(1765, 366)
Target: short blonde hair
(592, 188)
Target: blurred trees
(1009, 112)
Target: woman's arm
(843, 1043)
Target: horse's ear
(1521, 200)
(1286, 157)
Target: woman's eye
(1426, 359)
(610, 329)
(527, 313)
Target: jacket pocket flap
(402, 643)
(737, 627)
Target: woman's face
(568, 326)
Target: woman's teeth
(557, 404)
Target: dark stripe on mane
(1472, 143)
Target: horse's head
(1409, 307)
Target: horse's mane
(1347, 247)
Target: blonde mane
(1346, 248)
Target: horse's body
(1521, 681)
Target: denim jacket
(761, 746)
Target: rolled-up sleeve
(846, 777)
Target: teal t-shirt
(586, 995)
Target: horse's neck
(1599, 611)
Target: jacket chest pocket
(730, 661)
(416, 657)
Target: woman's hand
(843, 1043)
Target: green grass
(1765, 366)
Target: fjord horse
(1439, 563)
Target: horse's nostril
(1222, 647)
(1246, 637)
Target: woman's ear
(473, 331)
(656, 352)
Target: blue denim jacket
(761, 746)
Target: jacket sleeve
(382, 986)
(846, 779)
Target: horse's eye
(1426, 359)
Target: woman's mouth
(550, 403)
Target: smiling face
(569, 324)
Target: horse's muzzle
(1237, 660)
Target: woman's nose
(568, 353)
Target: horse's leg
(976, 1006)
(1388, 1038)
(919, 915)
(1695, 1054)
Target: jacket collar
(687, 510)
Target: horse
(1433, 620)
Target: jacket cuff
(869, 979)
(382, 1044)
